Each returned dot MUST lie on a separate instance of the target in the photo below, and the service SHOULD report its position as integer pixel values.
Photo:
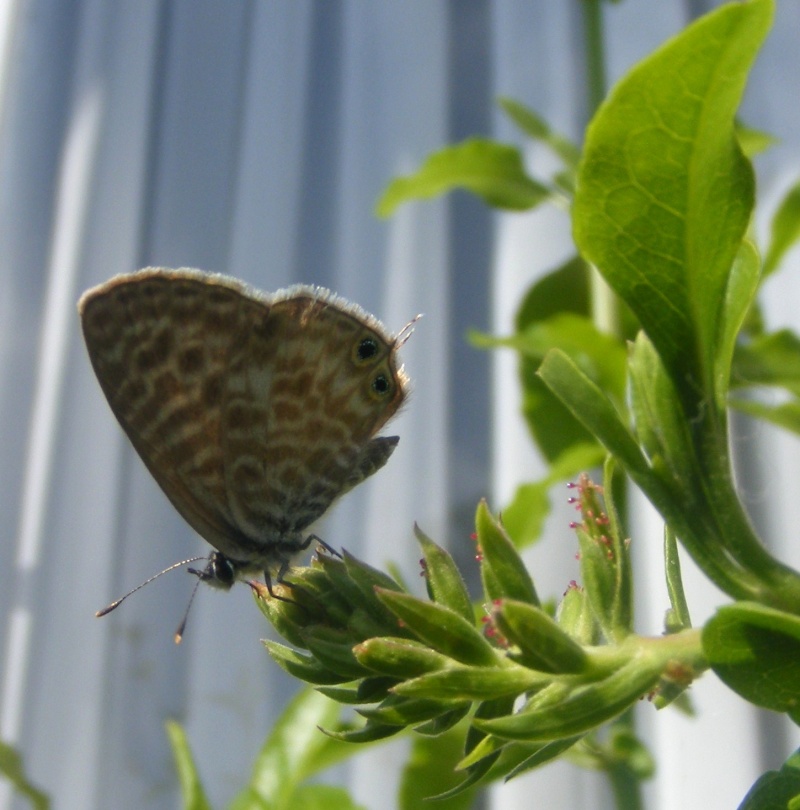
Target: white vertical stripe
(59, 314)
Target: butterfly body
(253, 412)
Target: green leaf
(365, 624)
(543, 644)
(769, 359)
(340, 579)
(294, 751)
(659, 421)
(754, 141)
(739, 295)
(402, 710)
(472, 683)
(593, 409)
(399, 657)
(288, 618)
(12, 768)
(429, 770)
(786, 416)
(367, 579)
(445, 583)
(553, 427)
(621, 755)
(478, 768)
(324, 797)
(194, 797)
(785, 229)
(370, 733)
(444, 722)
(575, 615)
(624, 750)
(503, 573)
(443, 629)
(693, 525)
(537, 128)
(564, 289)
(677, 617)
(334, 649)
(582, 709)
(776, 790)
(247, 800)
(602, 573)
(301, 666)
(665, 194)
(349, 695)
(493, 171)
(755, 650)
(605, 559)
(541, 755)
(524, 517)
(602, 357)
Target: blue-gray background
(253, 137)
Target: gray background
(253, 138)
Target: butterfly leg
(279, 580)
(313, 538)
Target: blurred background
(253, 137)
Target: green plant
(12, 769)
(662, 199)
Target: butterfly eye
(381, 386)
(366, 349)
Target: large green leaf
(755, 650)
(665, 194)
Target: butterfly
(254, 412)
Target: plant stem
(605, 308)
(778, 585)
(594, 54)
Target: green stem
(684, 647)
(605, 307)
(605, 315)
(594, 51)
(626, 786)
(777, 584)
(679, 609)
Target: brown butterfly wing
(302, 411)
(253, 413)
(160, 343)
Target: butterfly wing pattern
(253, 412)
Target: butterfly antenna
(119, 601)
(182, 625)
(405, 333)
